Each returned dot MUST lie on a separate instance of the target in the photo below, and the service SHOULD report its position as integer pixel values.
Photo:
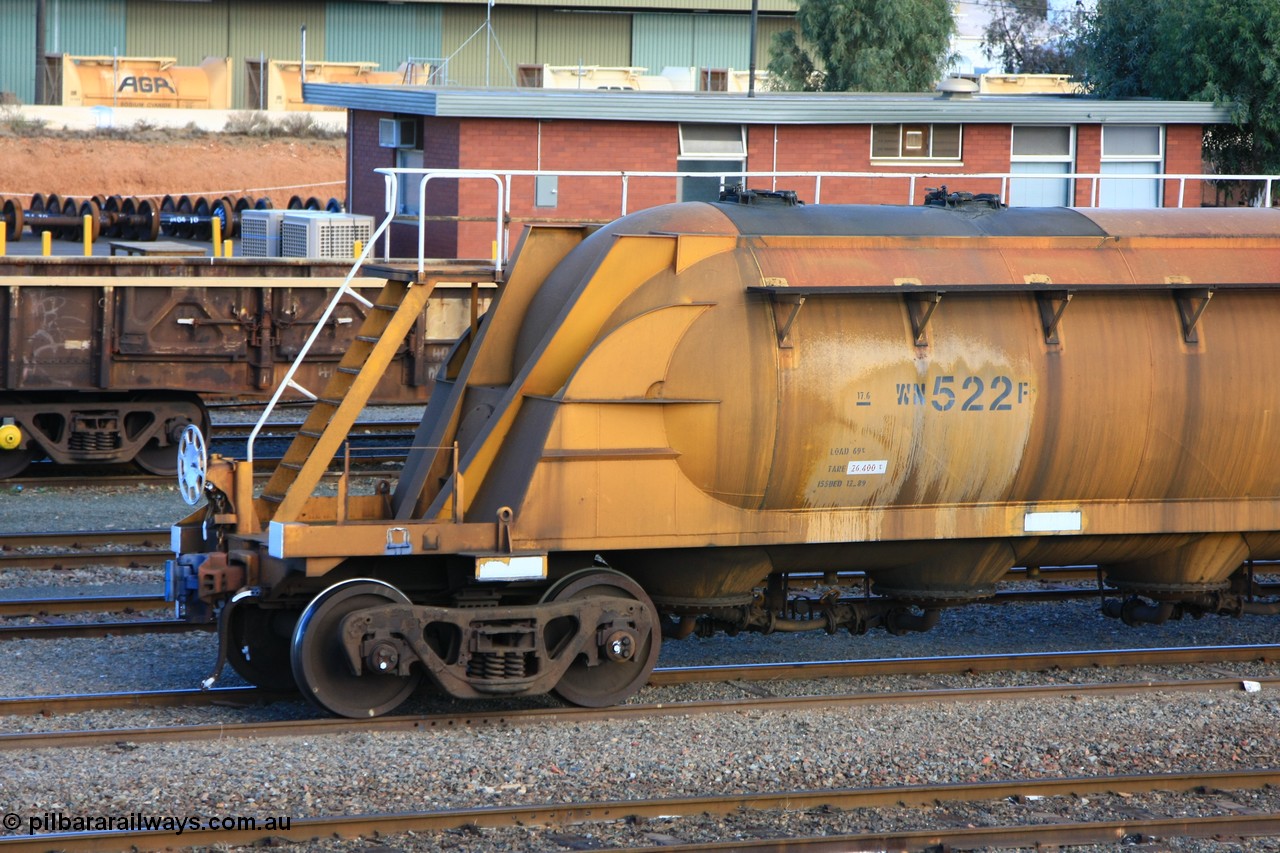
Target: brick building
(1067, 146)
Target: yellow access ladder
(389, 319)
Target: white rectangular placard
(1053, 522)
(867, 466)
(511, 568)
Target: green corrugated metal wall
(570, 38)
(376, 32)
(352, 30)
(512, 42)
(18, 49)
(188, 31)
(80, 27)
(85, 27)
(702, 41)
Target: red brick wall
(365, 195)
(1088, 159)
(1183, 155)
(496, 144)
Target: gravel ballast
(653, 757)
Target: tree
(1030, 38)
(1226, 51)
(864, 46)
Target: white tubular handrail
(343, 290)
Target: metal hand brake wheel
(193, 462)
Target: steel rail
(48, 706)
(134, 559)
(304, 829)
(531, 716)
(82, 630)
(1017, 662)
(12, 607)
(710, 674)
(156, 538)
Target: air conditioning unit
(320, 234)
(398, 133)
(260, 233)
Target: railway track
(772, 672)
(919, 796)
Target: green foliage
(1029, 38)
(864, 46)
(1226, 51)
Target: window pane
(915, 140)
(408, 158)
(1130, 192)
(946, 141)
(1039, 192)
(884, 140)
(1041, 141)
(1141, 141)
(708, 189)
(703, 140)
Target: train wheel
(161, 457)
(258, 646)
(14, 462)
(320, 661)
(626, 658)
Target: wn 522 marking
(974, 394)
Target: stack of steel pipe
(129, 218)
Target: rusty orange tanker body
(657, 423)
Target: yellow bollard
(357, 246)
(226, 248)
(217, 236)
(88, 235)
(4, 239)
(46, 243)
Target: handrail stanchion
(288, 381)
(626, 178)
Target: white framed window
(718, 149)
(916, 141)
(1041, 150)
(407, 203)
(1134, 149)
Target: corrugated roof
(764, 108)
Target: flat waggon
(108, 360)
(660, 424)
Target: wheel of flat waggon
(630, 648)
(258, 646)
(159, 456)
(320, 665)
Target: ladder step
(292, 466)
(368, 339)
(382, 307)
(311, 433)
(275, 499)
(330, 401)
(352, 371)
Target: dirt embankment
(211, 166)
